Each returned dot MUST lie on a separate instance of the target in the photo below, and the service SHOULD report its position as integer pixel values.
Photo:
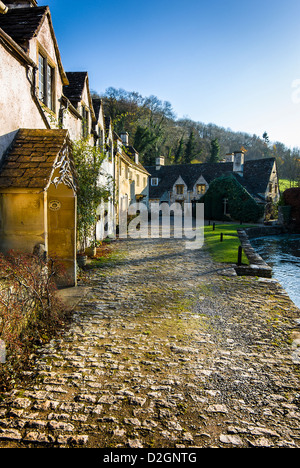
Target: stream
(283, 254)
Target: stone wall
(292, 198)
(257, 266)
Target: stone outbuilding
(38, 197)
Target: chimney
(125, 138)
(20, 3)
(3, 8)
(160, 162)
(136, 158)
(238, 163)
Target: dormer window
(201, 189)
(180, 189)
(154, 182)
(46, 82)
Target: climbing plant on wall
(88, 160)
(241, 205)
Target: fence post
(222, 235)
(240, 255)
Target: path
(164, 351)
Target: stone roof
(22, 24)
(190, 173)
(24, 2)
(30, 160)
(257, 174)
(97, 104)
(255, 179)
(75, 88)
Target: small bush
(30, 312)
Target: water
(283, 254)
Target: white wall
(17, 108)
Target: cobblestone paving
(166, 350)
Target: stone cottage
(31, 74)
(37, 176)
(131, 177)
(188, 183)
(103, 134)
(40, 96)
(88, 122)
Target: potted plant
(91, 250)
(81, 259)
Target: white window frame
(46, 81)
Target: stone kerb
(257, 266)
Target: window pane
(85, 122)
(49, 87)
(41, 78)
(201, 189)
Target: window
(201, 189)
(85, 122)
(270, 187)
(46, 82)
(137, 180)
(154, 182)
(180, 189)
(100, 140)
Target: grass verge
(226, 251)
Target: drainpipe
(3, 8)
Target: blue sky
(231, 63)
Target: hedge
(241, 205)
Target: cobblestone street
(166, 350)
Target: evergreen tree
(179, 154)
(190, 149)
(214, 151)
